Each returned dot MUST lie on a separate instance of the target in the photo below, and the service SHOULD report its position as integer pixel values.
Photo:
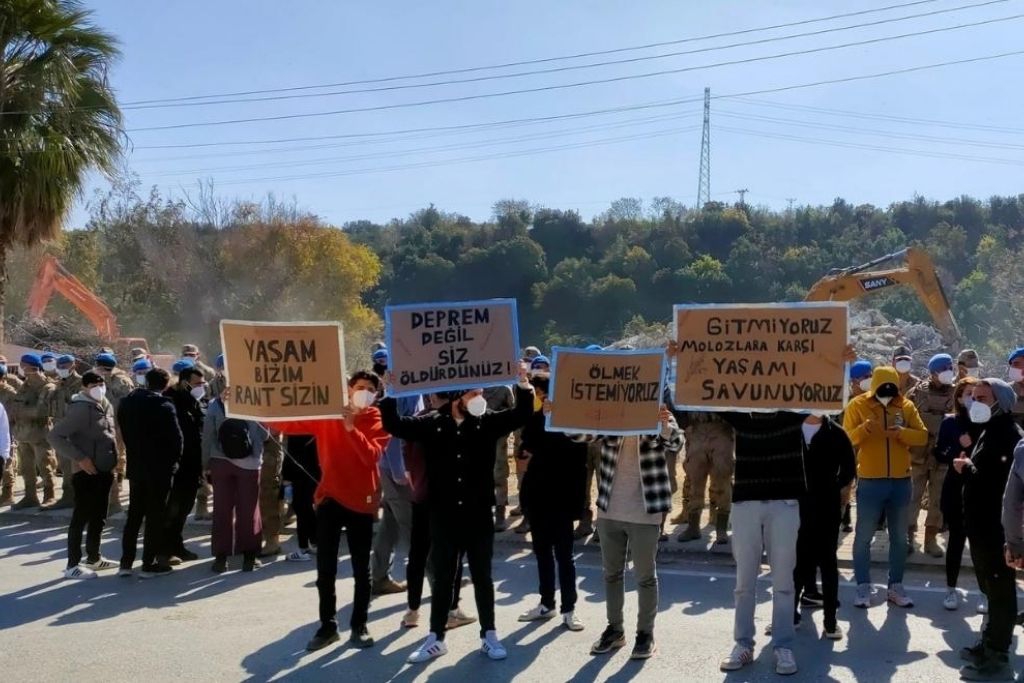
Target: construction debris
(59, 335)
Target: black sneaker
(186, 555)
(325, 635)
(360, 638)
(154, 571)
(812, 599)
(645, 646)
(992, 666)
(249, 562)
(974, 653)
(220, 564)
(611, 639)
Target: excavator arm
(53, 277)
(918, 272)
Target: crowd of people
(434, 472)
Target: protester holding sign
(883, 426)
(458, 443)
(552, 499)
(347, 497)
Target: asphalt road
(195, 625)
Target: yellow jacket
(882, 456)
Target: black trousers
(552, 542)
(302, 469)
(816, 545)
(147, 501)
(331, 518)
(90, 512)
(448, 538)
(419, 552)
(997, 582)
(179, 504)
(952, 506)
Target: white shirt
(5, 435)
(809, 431)
(626, 502)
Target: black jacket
(460, 458)
(190, 421)
(152, 437)
(554, 486)
(983, 489)
(829, 464)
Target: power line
(563, 86)
(545, 60)
(560, 69)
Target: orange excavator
(917, 271)
(53, 277)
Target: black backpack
(234, 439)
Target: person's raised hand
(87, 466)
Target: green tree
(58, 117)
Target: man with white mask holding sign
(347, 496)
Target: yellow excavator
(917, 271)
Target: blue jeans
(875, 496)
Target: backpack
(234, 438)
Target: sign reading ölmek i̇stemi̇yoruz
(452, 346)
(284, 371)
(606, 392)
(762, 357)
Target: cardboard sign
(606, 392)
(284, 371)
(452, 346)
(763, 357)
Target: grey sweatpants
(395, 528)
(639, 541)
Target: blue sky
(190, 47)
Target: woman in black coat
(552, 498)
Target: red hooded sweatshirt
(348, 460)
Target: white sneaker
(125, 572)
(457, 618)
(299, 556)
(785, 663)
(899, 597)
(952, 600)
(540, 612)
(863, 599)
(492, 647)
(100, 565)
(737, 659)
(572, 622)
(982, 607)
(432, 648)
(78, 572)
(411, 618)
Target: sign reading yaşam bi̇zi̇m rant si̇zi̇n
(284, 371)
(762, 357)
(452, 346)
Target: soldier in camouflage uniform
(1016, 374)
(710, 454)
(119, 384)
(903, 361)
(31, 425)
(7, 394)
(934, 400)
(219, 382)
(270, 496)
(49, 366)
(68, 384)
(191, 352)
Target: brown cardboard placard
(762, 357)
(606, 392)
(284, 371)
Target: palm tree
(58, 117)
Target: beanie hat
(91, 378)
(47, 356)
(594, 347)
(380, 355)
(1017, 353)
(940, 362)
(66, 360)
(182, 365)
(142, 365)
(106, 360)
(538, 361)
(860, 370)
(32, 360)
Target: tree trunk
(4, 249)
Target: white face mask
(49, 366)
(967, 402)
(198, 392)
(63, 372)
(476, 406)
(884, 400)
(903, 366)
(98, 393)
(972, 372)
(946, 377)
(865, 384)
(1016, 374)
(980, 413)
(140, 380)
(363, 398)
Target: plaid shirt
(653, 467)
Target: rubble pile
(59, 335)
(876, 337)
